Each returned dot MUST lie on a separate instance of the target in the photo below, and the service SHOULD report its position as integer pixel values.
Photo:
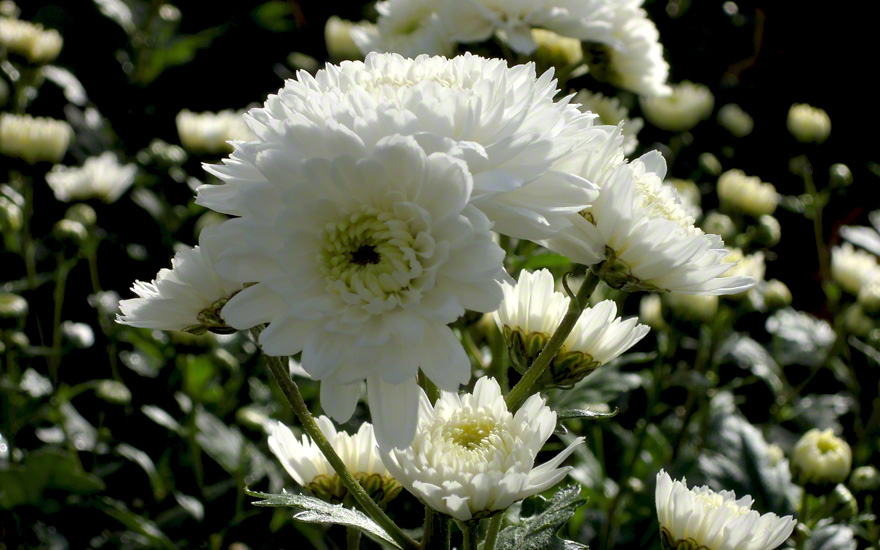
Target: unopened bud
(820, 457)
(82, 213)
(12, 307)
(114, 392)
(555, 51)
(720, 224)
(808, 124)
(776, 294)
(869, 298)
(11, 217)
(865, 479)
(843, 503)
(840, 175)
(710, 164)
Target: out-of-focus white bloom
(720, 224)
(189, 296)
(751, 265)
(641, 231)
(799, 337)
(821, 457)
(78, 334)
(471, 457)
(735, 120)
(531, 312)
(30, 40)
(853, 269)
(407, 27)
(703, 518)
(808, 124)
(210, 132)
(99, 177)
(611, 112)
(555, 51)
(865, 237)
(694, 307)
(502, 121)
(680, 111)
(777, 294)
(307, 465)
(738, 192)
(9, 9)
(34, 139)
(869, 297)
(651, 311)
(359, 258)
(337, 37)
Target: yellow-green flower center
(472, 433)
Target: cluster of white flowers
(683, 109)
(99, 177)
(34, 139)
(30, 40)
(738, 192)
(211, 132)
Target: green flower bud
(840, 175)
(11, 217)
(113, 392)
(776, 294)
(820, 458)
(12, 306)
(869, 298)
(843, 503)
(720, 224)
(856, 322)
(710, 164)
(865, 479)
(69, 231)
(82, 213)
(768, 231)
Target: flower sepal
(668, 543)
(211, 321)
(618, 275)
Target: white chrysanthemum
(735, 120)
(821, 457)
(30, 40)
(211, 132)
(34, 139)
(307, 465)
(502, 121)
(99, 177)
(189, 296)
(808, 124)
(703, 518)
(680, 111)
(738, 192)
(531, 312)
(472, 457)
(633, 57)
(360, 258)
(853, 269)
(642, 232)
(610, 111)
(407, 27)
(337, 38)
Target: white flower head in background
(307, 465)
(642, 232)
(735, 120)
(211, 132)
(808, 124)
(703, 518)
(34, 139)
(821, 457)
(684, 108)
(692, 307)
(407, 27)
(852, 269)
(745, 265)
(610, 111)
(99, 177)
(531, 312)
(359, 261)
(471, 457)
(738, 192)
(188, 297)
(799, 338)
(30, 40)
(337, 38)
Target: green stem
(295, 400)
(470, 531)
(352, 538)
(64, 267)
(431, 390)
(818, 232)
(492, 533)
(436, 531)
(525, 386)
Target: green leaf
(139, 524)
(541, 261)
(41, 471)
(180, 51)
(143, 460)
(831, 537)
(277, 15)
(579, 414)
(750, 355)
(540, 520)
(162, 418)
(313, 510)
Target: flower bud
(82, 213)
(11, 217)
(13, 309)
(680, 111)
(651, 311)
(114, 392)
(768, 231)
(821, 458)
(865, 479)
(337, 36)
(808, 124)
(738, 192)
(842, 503)
(556, 51)
(710, 164)
(78, 334)
(856, 322)
(840, 175)
(776, 294)
(720, 224)
(775, 454)
(735, 120)
(69, 231)
(869, 298)
(692, 307)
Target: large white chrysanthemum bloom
(703, 518)
(307, 465)
(502, 121)
(360, 258)
(640, 230)
(684, 108)
(738, 192)
(808, 124)
(407, 27)
(821, 457)
(610, 111)
(99, 177)
(471, 457)
(30, 40)
(211, 132)
(531, 312)
(852, 268)
(34, 139)
(189, 296)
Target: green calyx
(617, 274)
(211, 321)
(668, 542)
(380, 488)
(567, 369)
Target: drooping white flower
(407, 27)
(99, 177)
(360, 258)
(531, 312)
(30, 40)
(307, 465)
(808, 124)
(502, 121)
(642, 232)
(680, 111)
(821, 457)
(211, 132)
(34, 139)
(703, 518)
(852, 268)
(611, 112)
(738, 192)
(189, 296)
(472, 457)
(735, 120)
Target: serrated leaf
(313, 510)
(831, 537)
(540, 520)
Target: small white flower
(307, 465)
(34, 139)
(821, 457)
(211, 132)
(99, 177)
(738, 192)
(808, 124)
(407, 27)
(472, 457)
(853, 269)
(703, 518)
(680, 111)
(735, 120)
(30, 40)
(611, 112)
(531, 312)
(189, 296)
